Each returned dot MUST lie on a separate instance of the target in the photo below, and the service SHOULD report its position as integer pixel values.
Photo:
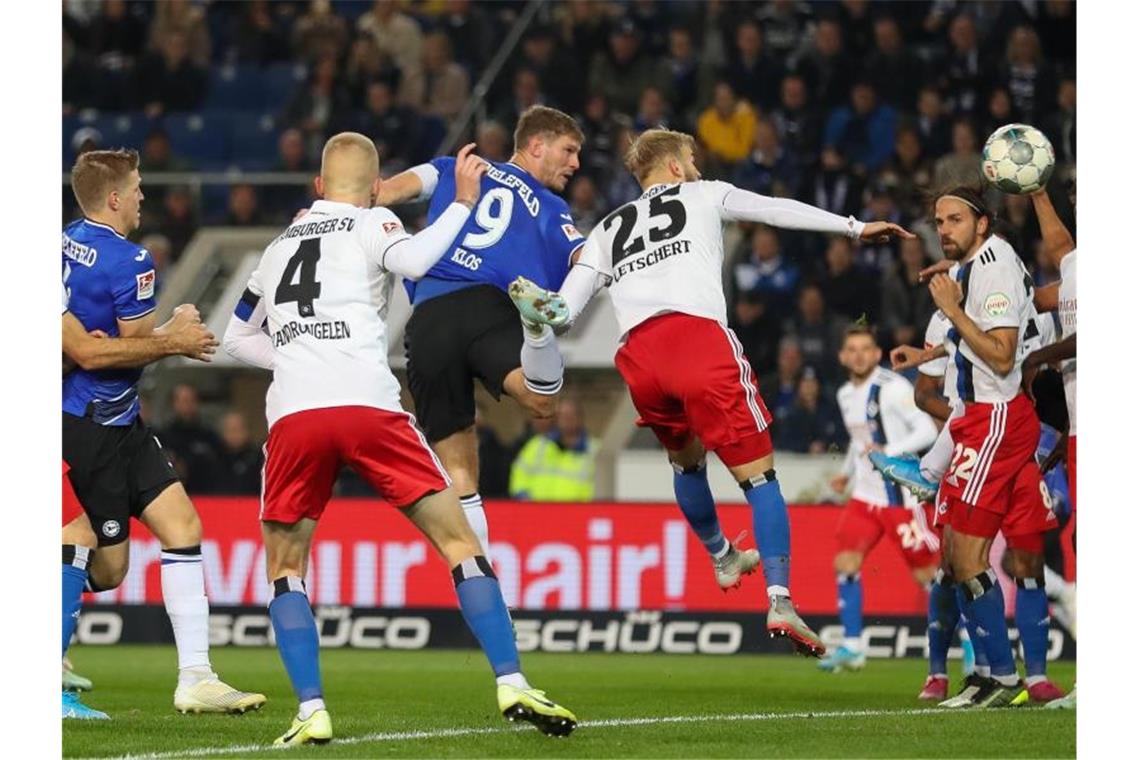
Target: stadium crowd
(858, 107)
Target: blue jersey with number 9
(518, 227)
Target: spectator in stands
(158, 155)
(1025, 75)
(787, 26)
(621, 72)
(493, 141)
(116, 35)
(396, 34)
(260, 36)
(863, 132)
(682, 75)
(651, 111)
(161, 254)
(767, 274)
(893, 70)
(726, 129)
(931, 123)
(319, 32)
(586, 204)
(472, 31)
(813, 424)
(797, 122)
(826, 67)
(239, 466)
(999, 110)
(962, 166)
(873, 257)
(243, 209)
(367, 64)
(439, 86)
(194, 448)
(858, 27)
(185, 18)
(525, 92)
(758, 332)
(1057, 24)
(542, 55)
(1061, 125)
(317, 105)
(621, 186)
(906, 304)
(1018, 224)
(966, 72)
(600, 151)
(78, 78)
(391, 126)
(281, 202)
(495, 459)
(834, 187)
(559, 466)
(178, 221)
(819, 331)
(584, 26)
(751, 72)
(171, 81)
(908, 173)
(291, 154)
(778, 388)
(847, 290)
(768, 169)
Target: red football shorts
(688, 376)
(306, 450)
(862, 525)
(1068, 535)
(992, 442)
(71, 506)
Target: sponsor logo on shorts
(111, 528)
(145, 282)
(996, 304)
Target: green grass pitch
(442, 704)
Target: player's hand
(838, 483)
(905, 357)
(946, 292)
(1029, 370)
(195, 341)
(942, 266)
(469, 169)
(881, 232)
(1059, 454)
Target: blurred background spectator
(195, 449)
(559, 465)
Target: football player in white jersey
(662, 256)
(880, 415)
(321, 291)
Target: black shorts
(452, 339)
(117, 471)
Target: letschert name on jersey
(656, 256)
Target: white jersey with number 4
(664, 252)
(1067, 308)
(324, 291)
(998, 293)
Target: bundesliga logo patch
(571, 232)
(390, 227)
(145, 282)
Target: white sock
(982, 670)
(473, 508)
(1034, 680)
(184, 594)
(541, 362)
(936, 461)
(1009, 680)
(779, 591)
(853, 643)
(513, 679)
(308, 707)
(1055, 585)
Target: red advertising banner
(596, 556)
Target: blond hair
(653, 147)
(547, 123)
(99, 172)
(350, 164)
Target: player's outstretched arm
(412, 257)
(920, 428)
(745, 206)
(1056, 237)
(405, 187)
(907, 357)
(183, 335)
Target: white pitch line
(446, 733)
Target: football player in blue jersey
(117, 465)
(463, 324)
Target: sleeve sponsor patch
(392, 227)
(145, 285)
(996, 304)
(571, 232)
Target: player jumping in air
(118, 468)
(463, 325)
(322, 290)
(661, 257)
(880, 415)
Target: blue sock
(297, 640)
(942, 616)
(770, 523)
(1031, 613)
(984, 607)
(694, 497)
(481, 601)
(851, 605)
(75, 559)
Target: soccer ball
(1018, 159)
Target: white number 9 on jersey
(493, 214)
